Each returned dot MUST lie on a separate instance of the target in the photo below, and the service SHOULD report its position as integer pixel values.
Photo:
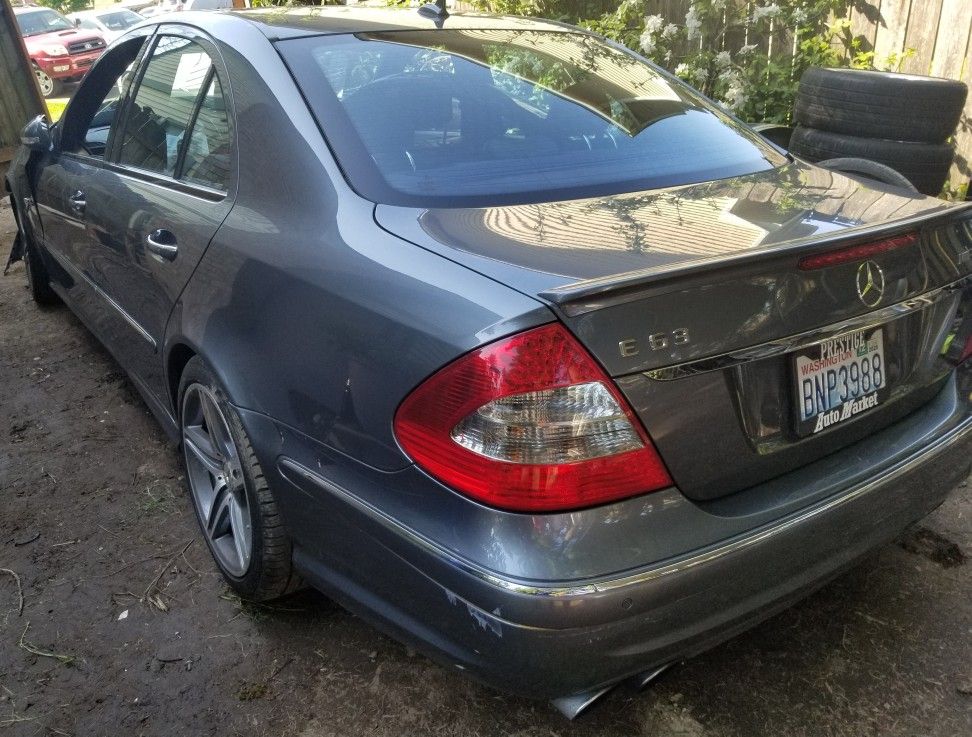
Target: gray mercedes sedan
(500, 336)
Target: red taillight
(529, 423)
(967, 351)
(857, 253)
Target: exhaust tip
(644, 679)
(573, 706)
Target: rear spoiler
(588, 295)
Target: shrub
(749, 57)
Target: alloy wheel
(45, 82)
(216, 480)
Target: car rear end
(791, 428)
(747, 376)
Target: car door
(164, 192)
(62, 177)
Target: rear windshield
(490, 117)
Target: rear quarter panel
(309, 312)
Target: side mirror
(36, 135)
(77, 22)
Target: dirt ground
(126, 629)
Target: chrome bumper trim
(940, 445)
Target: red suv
(58, 51)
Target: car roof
(21, 10)
(277, 23)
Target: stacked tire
(899, 120)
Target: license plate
(839, 379)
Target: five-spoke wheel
(237, 512)
(216, 479)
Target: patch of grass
(158, 499)
(251, 691)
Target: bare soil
(126, 628)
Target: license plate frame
(838, 379)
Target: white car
(172, 6)
(109, 22)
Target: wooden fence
(938, 31)
(20, 99)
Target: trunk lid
(695, 301)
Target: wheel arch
(179, 354)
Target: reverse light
(857, 253)
(529, 423)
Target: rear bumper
(554, 638)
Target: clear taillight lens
(572, 423)
(529, 423)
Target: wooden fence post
(20, 98)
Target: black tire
(871, 170)
(925, 165)
(270, 573)
(775, 133)
(900, 107)
(49, 87)
(38, 278)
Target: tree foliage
(65, 6)
(725, 48)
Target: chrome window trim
(147, 176)
(806, 338)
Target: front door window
(162, 109)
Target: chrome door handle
(163, 244)
(78, 202)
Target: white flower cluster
(765, 11)
(746, 50)
(654, 23)
(647, 42)
(693, 24)
(723, 60)
(692, 75)
(632, 6)
(736, 95)
(654, 28)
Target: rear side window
(489, 117)
(208, 150)
(161, 112)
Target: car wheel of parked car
(49, 86)
(879, 104)
(925, 165)
(235, 508)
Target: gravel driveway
(127, 629)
